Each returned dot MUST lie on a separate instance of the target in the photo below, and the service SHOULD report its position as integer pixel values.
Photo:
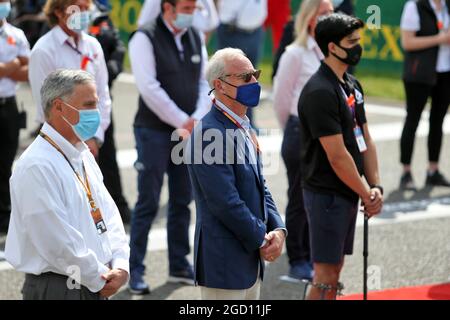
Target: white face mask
(79, 21)
(183, 20)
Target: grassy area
(387, 87)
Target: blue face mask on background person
(5, 9)
(79, 21)
(247, 94)
(88, 124)
(183, 20)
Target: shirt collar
(4, 26)
(244, 122)
(433, 5)
(73, 153)
(61, 36)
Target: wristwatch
(378, 187)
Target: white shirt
(205, 17)
(410, 21)
(142, 61)
(297, 65)
(13, 44)
(51, 52)
(51, 227)
(247, 14)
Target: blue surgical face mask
(88, 124)
(183, 21)
(79, 21)
(247, 94)
(5, 9)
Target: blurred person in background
(103, 29)
(168, 59)
(288, 36)
(278, 14)
(297, 64)
(29, 16)
(242, 26)
(14, 56)
(425, 26)
(67, 45)
(205, 16)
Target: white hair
(218, 62)
(60, 84)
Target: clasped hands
(274, 245)
(372, 203)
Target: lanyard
(252, 137)
(351, 104)
(84, 58)
(95, 212)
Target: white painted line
(380, 133)
(158, 237)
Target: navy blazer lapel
(230, 125)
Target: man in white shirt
(205, 16)
(241, 26)
(65, 231)
(168, 60)
(14, 54)
(68, 46)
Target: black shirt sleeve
(320, 111)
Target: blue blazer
(234, 211)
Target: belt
(233, 28)
(7, 100)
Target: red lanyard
(252, 137)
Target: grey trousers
(53, 286)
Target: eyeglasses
(247, 76)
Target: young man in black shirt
(337, 151)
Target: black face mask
(353, 54)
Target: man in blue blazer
(238, 225)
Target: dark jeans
(53, 286)
(9, 142)
(416, 99)
(249, 42)
(297, 242)
(107, 162)
(154, 160)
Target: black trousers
(297, 242)
(416, 99)
(108, 165)
(9, 142)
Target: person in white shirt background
(205, 16)
(63, 221)
(241, 26)
(425, 37)
(168, 59)
(297, 64)
(14, 55)
(68, 46)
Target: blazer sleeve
(274, 220)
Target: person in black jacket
(114, 50)
(425, 29)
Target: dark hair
(172, 2)
(334, 28)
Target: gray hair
(60, 84)
(218, 62)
